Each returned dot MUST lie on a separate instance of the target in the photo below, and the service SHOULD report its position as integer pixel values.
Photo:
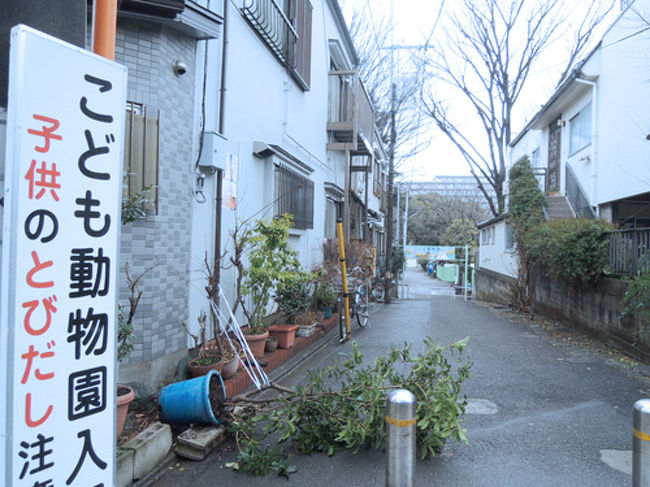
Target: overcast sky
(413, 21)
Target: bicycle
(358, 299)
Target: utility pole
(398, 189)
(406, 223)
(389, 196)
(391, 154)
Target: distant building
(460, 187)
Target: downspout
(224, 53)
(216, 263)
(594, 142)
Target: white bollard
(641, 444)
(400, 442)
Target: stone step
(559, 208)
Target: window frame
(580, 130)
(298, 202)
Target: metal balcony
(274, 27)
(350, 114)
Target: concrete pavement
(540, 414)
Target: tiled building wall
(163, 240)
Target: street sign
(63, 165)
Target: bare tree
(370, 31)
(490, 49)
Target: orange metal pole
(344, 278)
(105, 19)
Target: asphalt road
(542, 413)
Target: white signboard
(60, 253)
(230, 182)
(433, 252)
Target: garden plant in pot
(208, 356)
(293, 295)
(271, 260)
(217, 353)
(125, 394)
(324, 299)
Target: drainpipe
(594, 141)
(224, 53)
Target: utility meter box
(212, 153)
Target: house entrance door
(554, 146)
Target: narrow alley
(540, 413)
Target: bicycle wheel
(361, 305)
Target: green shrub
(570, 249)
(293, 293)
(637, 297)
(399, 259)
(344, 406)
(324, 296)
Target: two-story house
(588, 143)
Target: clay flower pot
(286, 334)
(125, 396)
(271, 343)
(257, 343)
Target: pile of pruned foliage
(343, 406)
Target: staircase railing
(576, 196)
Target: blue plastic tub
(189, 401)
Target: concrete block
(197, 442)
(124, 467)
(149, 448)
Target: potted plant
(324, 299)
(125, 394)
(208, 356)
(217, 352)
(271, 259)
(307, 322)
(293, 295)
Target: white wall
(493, 254)
(624, 118)
(264, 103)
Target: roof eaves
(343, 27)
(491, 221)
(575, 73)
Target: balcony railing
(274, 27)
(351, 117)
(576, 196)
(629, 251)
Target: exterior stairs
(559, 208)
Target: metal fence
(629, 250)
(576, 196)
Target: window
(285, 27)
(510, 236)
(141, 156)
(294, 195)
(580, 130)
(333, 211)
(535, 159)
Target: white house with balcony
(589, 144)
(591, 137)
(285, 126)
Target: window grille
(294, 195)
(285, 27)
